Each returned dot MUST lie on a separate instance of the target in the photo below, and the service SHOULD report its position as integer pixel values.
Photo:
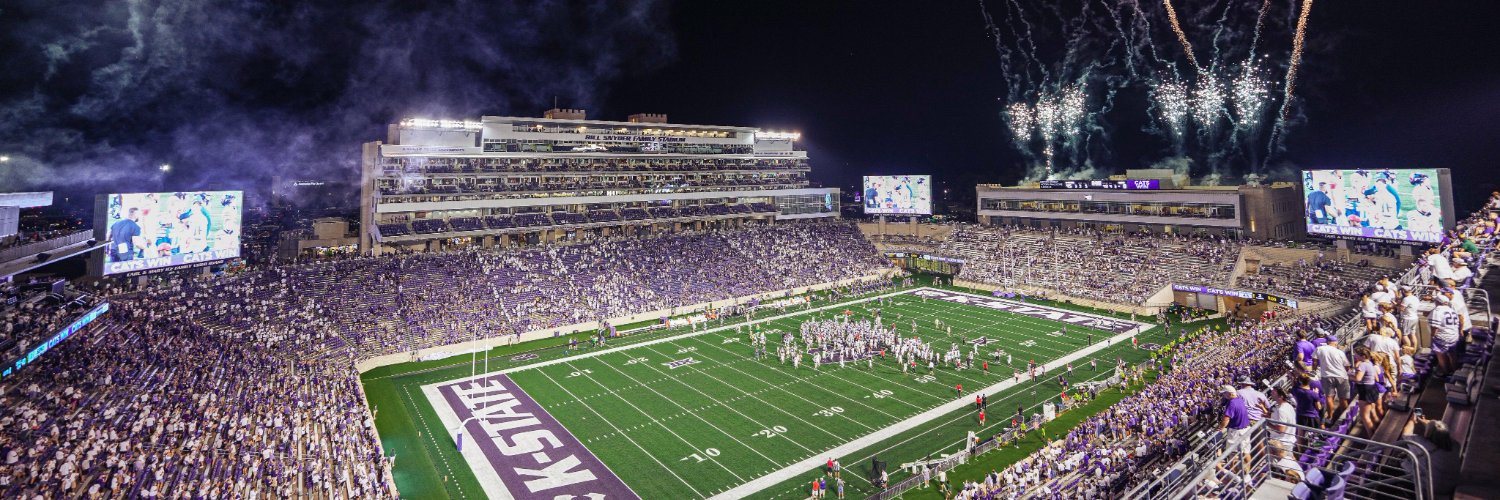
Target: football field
(693, 414)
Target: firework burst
(1173, 104)
(1249, 93)
(1208, 101)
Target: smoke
(1179, 165)
(235, 94)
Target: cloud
(236, 93)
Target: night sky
(94, 96)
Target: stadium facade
(508, 181)
(1148, 200)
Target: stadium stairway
(1481, 444)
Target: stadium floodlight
(166, 168)
(4, 159)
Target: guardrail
(29, 249)
(1359, 468)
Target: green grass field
(729, 420)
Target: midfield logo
(980, 341)
(680, 363)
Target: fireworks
(1249, 92)
(1173, 104)
(1022, 119)
(1187, 47)
(1208, 101)
(1298, 40)
(1063, 116)
(1056, 116)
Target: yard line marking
(711, 398)
(871, 439)
(747, 417)
(820, 387)
(767, 319)
(626, 436)
(669, 428)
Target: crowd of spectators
(1214, 380)
(1121, 268)
(439, 165)
(1110, 451)
(30, 313)
(601, 181)
(400, 225)
(244, 386)
(1320, 278)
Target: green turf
(729, 408)
(1000, 458)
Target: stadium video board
(150, 231)
(1406, 205)
(898, 195)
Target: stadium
(548, 305)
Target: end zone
(514, 447)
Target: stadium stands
(466, 224)
(1111, 268)
(535, 165)
(394, 229)
(32, 313)
(429, 226)
(244, 385)
(1165, 441)
(1329, 279)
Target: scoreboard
(1146, 184)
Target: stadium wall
(871, 230)
(546, 333)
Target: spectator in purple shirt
(1309, 402)
(1305, 349)
(1235, 423)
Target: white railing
(1354, 467)
(30, 249)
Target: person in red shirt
(960, 388)
(981, 417)
(976, 402)
(986, 368)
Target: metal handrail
(1200, 470)
(30, 249)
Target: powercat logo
(1088, 320)
(515, 448)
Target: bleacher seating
(428, 226)
(394, 229)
